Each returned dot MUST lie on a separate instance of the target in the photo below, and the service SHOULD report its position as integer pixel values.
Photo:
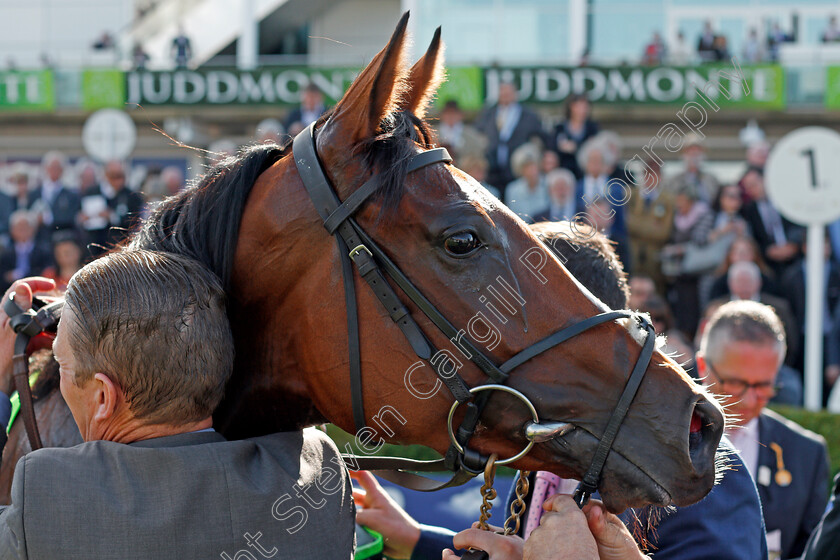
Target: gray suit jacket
(195, 495)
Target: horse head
(476, 262)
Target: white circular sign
(803, 175)
(109, 134)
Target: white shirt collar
(745, 440)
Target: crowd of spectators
(712, 45)
(56, 216)
(693, 240)
(689, 241)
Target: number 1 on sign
(809, 153)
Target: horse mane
(202, 221)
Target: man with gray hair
(740, 353)
(145, 350)
(56, 205)
(561, 191)
(25, 255)
(745, 283)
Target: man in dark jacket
(25, 255)
(507, 125)
(824, 543)
(126, 204)
(56, 205)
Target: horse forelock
(388, 154)
(202, 221)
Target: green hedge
(824, 423)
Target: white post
(814, 301)
(247, 46)
(577, 30)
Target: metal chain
(517, 507)
(488, 493)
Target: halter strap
(358, 197)
(348, 236)
(592, 478)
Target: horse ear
(425, 78)
(376, 92)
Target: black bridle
(356, 247)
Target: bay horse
(251, 221)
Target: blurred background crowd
(553, 106)
(689, 239)
(552, 124)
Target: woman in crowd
(67, 255)
(570, 134)
(691, 226)
(527, 196)
(726, 225)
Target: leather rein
(28, 324)
(355, 247)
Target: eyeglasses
(738, 388)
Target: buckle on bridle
(358, 249)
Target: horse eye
(462, 243)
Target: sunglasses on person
(738, 387)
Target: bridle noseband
(356, 247)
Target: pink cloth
(545, 485)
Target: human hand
(782, 252)
(497, 546)
(611, 535)
(23, 290)
(382, 514)
(832, 372)
(567, 146)
(563, 533)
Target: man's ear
(107, 399)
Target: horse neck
(285, 309)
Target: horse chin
(623, 484)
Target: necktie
(545, 485)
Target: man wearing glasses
(741, 351)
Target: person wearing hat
(694, 155)
(15, 198)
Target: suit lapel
(766, 460)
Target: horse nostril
(695, 432)
(696, 423)
(703, 433)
